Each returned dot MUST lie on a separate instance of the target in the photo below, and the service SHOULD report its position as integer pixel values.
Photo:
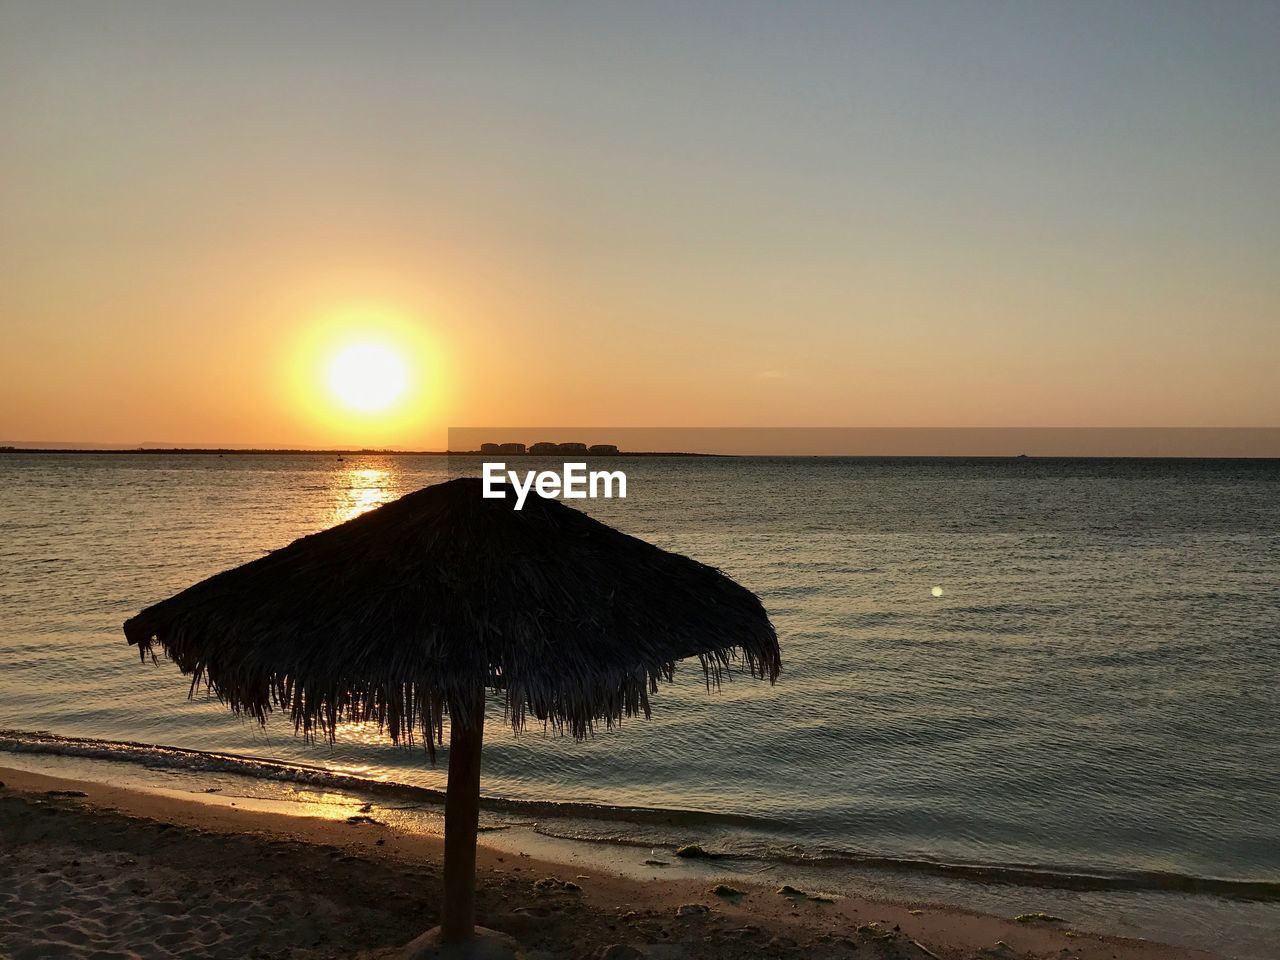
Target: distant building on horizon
(545, 448)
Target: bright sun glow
(365, 376)
(368, 377)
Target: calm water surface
(1094, 692)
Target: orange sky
(871, 217)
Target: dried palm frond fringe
(402, 611)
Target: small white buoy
(936, 591)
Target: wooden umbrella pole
(462, 820)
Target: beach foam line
(1081, 879)
(1052, 877)
(181, 758)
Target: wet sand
(89, 870)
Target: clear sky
(854, 214)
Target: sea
(1014, 685)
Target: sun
(365, 376)
(368, 377)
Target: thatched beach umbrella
(414, 610)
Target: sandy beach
(89, 870)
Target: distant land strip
(336, 452)
(342, 452)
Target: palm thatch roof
(396, 614)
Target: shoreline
(88, 845)
(55, 752)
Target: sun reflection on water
(367, 488)
(349, 732)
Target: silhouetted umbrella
(413, 610)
